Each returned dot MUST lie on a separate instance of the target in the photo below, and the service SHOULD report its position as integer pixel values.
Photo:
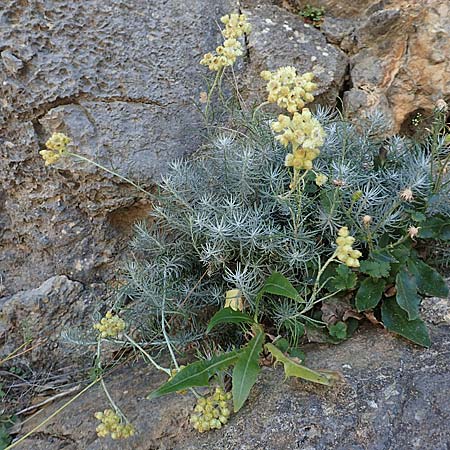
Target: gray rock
(11, 62)
(280, 38)
(41, 315)
(394, 397)
(120, 78)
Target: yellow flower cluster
(321, 179)
(233, 300)
(225, 55)
(345, 252)
(289, 90)
(212, 412)
(110, 325)
(236, 25)
(112, 424)
(304, 133)
(56, 147)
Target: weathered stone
(120, 78)
(280, 38)
(41, 315)
(11, 62)
(399, 50)
(394, 397)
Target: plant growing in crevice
(280, 231)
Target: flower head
(413, 232)
(110, 325)
(289, 90)
(212, 412)
(112, 424)
(236, 25)
(233, 300)
(321, 179)
(56, 147)
(344, 251)
(407, 195)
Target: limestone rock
(394, 396)
(42, 314)
(280, 38)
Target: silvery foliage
(224, 219)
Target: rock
(394, 396)
(399, 55)
(121, 79)
(11, 62)
(41, 315)
(280, 38)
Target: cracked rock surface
(394, 397)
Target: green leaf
(418, 216)
(278, 284)
(407, 297)
(369, 294)
(338, 330)
(395, 319)
(344, 279)
(435, 228)
(282, 344)
(246, 370)
(196, 374)
(228, 315)
(376, 269)
(293, 369)
(429, 282)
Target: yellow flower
(321, 179)
(56, 147)
(112, 424)
(236, 25)
(344, 251)
(289, 90)
(304, 133)
(110, 325)
(212, 412)
(233, 300)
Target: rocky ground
(122, 79)
(394, 396)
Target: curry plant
(283, 230)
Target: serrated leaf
(293, 369)
(196, 374)
(406, 296)
(369, 294)
(396, 319)
(246, 370)
(376, 269)
(344, 279)
(278, 284)
(429, 281)
(228, 315)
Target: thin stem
(258, 108)
(208, 99)
(37, 427)
(127, 180)
(135, 344)
(163, 326)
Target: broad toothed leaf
(293, 369)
